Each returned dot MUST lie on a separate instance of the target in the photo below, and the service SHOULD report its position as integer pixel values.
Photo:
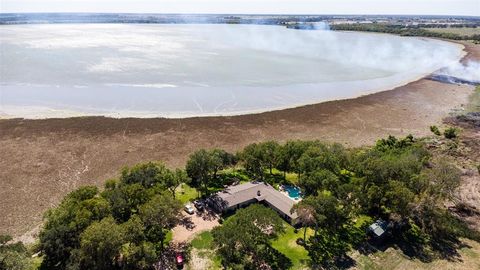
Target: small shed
(378, 228)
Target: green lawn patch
(185, 193)
(363, 221)
(287, 245)
(203, 241)
(292, 178)
(168, 237)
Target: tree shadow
(187, 223)
(445, 247)
(166, 260)
(274, 259)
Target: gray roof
(378, 228)
(235, 195)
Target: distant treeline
(444, 25)
(35, 18)
(402, 30)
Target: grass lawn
(291, 178)
(203, 241)
(236, 172)
(286, 244)
(185, 193)
(168, 237)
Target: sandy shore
(42, 160)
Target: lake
(175, 70)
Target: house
(235, 197)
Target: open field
(42, 160)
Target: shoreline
(48, 158)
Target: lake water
(146, 70)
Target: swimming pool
(293, 192)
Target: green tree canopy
(244, 237)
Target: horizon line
(240, 14)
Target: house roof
(378, 228)
(260, 191)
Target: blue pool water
(293, 192)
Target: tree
(64, 224)
(283, 159)
(321, 156)
(443, 179)
(313, 182)
(137, 252)
(13, 256)
(325, 247)
(100, 245)
(334, 233)
(328, 212)
(220, 159)
(245, 238)
(252, 157)
(125, 200)
(147, 174)
(450, 133)
(305, 216)
(142, 255)
(399, 198)
(200, 168)
(289, 155)
(159, 215)
(435, 130)
(174, 179)
(270, 153)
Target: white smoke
(469, 71)
(321, 26)
(379, 51)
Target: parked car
(199, 204)
(179, 259)
(189, 209)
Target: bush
(300, 241)
(450, 133)
(414, 235)
(435, 130)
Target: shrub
(300, 241)
(435, 130)
(450, 133)
(414, 235)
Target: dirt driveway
(193, 224)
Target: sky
(407, 7)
